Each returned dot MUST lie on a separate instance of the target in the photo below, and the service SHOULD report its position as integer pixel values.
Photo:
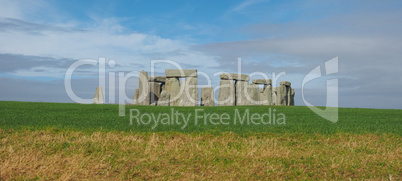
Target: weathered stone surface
(283, 93)
(143, 96)
(154, 92)
(192, 90)
(241, 98)
(232, 76)
(180, 73)
(172, 87)
(98, 98)
(189, 94)
(274, 96)
(266, 95)
(262, 81)
(157, 79)
(164, 98)
(182, 93)
(207, 96)
(292, 95)
(261, 98)
(135, 97)
(227, 94)
(253, 94)
(286, 83)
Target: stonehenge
(265, 92)
(179, 87)
(246, 93)
(98, 99)
(168, 90)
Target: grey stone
(180, 73)
(192, 90)
(266, 95)
(207, 96)
(157, 79)
(284, 93)
(241, 98)
(164, 98)
(189, 92)
(292, 95)
(274, 96)
(135, 97)
(286, 83)
(262, 81)
(154, 92)
(261, 98)
(172, 87)
(227, 94)
(143, 96)
(232, 76)
(98, 98)
(253, 94)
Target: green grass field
(47, 141)
(29, 115)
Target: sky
(40, 40)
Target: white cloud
(247, 3)
(124, 48)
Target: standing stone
(172, 87)
(261, 97)
(143, 96)
(190, 94)
(292, 95)
(207, 96)
(253, 94)
(274, 96)
(227, 94)
(155, 91)
(266, 95)
(164, 97)
(285, 94)
(241, 98)
(282, 95)
(98, 99)
(135, 97)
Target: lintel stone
(157, 79)
(286, 83)
(232, 76)
(180, 73)
(262, 81)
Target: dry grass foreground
(69, 155)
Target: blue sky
(40, 39)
